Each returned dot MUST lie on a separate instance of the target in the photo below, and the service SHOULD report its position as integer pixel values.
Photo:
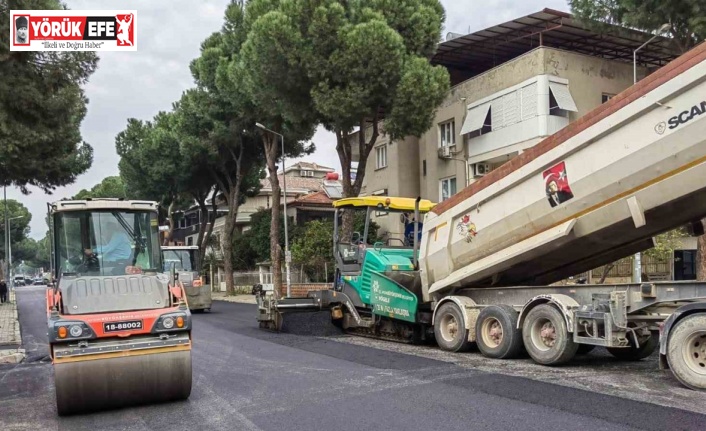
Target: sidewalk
(10, 338)
(243, 299)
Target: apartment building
(513, 85)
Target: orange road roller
(119, 327)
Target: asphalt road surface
(249, 379)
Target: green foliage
(342, 64)
(32, 252)
(244, 255)
(283, 104)
(19, 227)
(26, 250)
(41, 109)
(41, 258)
(253, 245)
(687, 17)
(151, 164)
(313, 244)
(211, 138)
(666, 243)
(259, 234)
(313, 248)
(110, 187)
(359, 226)
(294, 119)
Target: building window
(424, 168)
(268, 202)
(554, 108)
(606, 97)
(447, 134)
(381, 157)
(448, 188)
(488, 122)
(190, 240)
(560, 100)
(307, 173)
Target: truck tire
(647, 347)
(497, 335)
(546, 337)
(450, 329)
(686, 351)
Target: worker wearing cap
(21, 27)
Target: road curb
(241, 299)
(14, 356)
(10, 335)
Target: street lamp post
(9, 250)
(665, 27)
(4, 192)
(287, 255)
(637, 269)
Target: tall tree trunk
(233, 207)
(170, 217)
(200, 199)
(606, 271)
(211, 222)
(269, 142)
(701, 256)
(206, 224)
(343, 148)
(231, 191)
(228, 253)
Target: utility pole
(637, 259)
(7, 236)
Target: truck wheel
(497, 335)
(450, 329)
(546, 338)
(647, 347)
(686, 353)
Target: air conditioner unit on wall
(480, 169)
(445, 152)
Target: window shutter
(511, 108)
(497, 113)
(529, 101)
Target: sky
(140, 84)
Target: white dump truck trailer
(484, 266)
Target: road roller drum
(108, 383)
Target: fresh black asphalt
(245, 378)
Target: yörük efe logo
(72, 30)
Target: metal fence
(624, 268)
(241, 278)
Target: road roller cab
(119, 328)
